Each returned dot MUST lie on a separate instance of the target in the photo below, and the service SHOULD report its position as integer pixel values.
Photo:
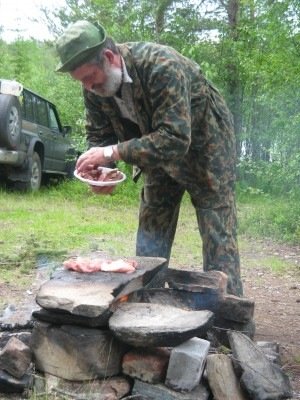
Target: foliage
(272, 177)
(262, 215)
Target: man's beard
(113, 81)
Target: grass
(67, 217)
(261, 215)
(276, 265)
(54, 222)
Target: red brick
(147, 365)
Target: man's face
(103, 81)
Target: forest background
(249, 49)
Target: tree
(242, 45)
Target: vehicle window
(42, 112)
(27, 106)
(54, 125)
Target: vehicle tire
(70, 168)
(10, 121)
(71, 160)
(35, 175)
(34, 182)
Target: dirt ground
(276, 296)
(277, 301)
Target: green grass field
(68, 218)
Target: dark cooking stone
(155, 325)
(199, 282)
(59, 317)
(92, 294)
(238, 309)
(177, 298)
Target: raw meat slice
(119, 266)
(88, 265)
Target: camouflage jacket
(184, 124)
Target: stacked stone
(105, 336)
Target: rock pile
(107, 336)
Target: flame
(123, 299)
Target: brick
(146, 365)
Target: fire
(123, 299)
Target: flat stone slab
(156, 325)
(91, 294)
(66, 318)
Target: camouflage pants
(159, 211)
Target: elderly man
(150, 106)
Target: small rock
(15, 357)
(10, 384)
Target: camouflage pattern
(159, 210)
(183, 141)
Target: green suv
(34, 146)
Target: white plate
(100, 183)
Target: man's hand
(94, 158)
(91, 159)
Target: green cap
(78, 44)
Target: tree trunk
(235, 88)
(162, 7)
